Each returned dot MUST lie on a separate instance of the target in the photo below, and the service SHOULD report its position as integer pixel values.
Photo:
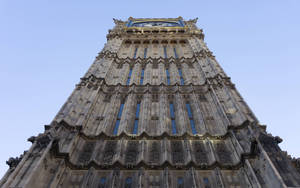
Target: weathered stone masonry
(155, 109)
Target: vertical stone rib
(187, 152)
(196, 75)
(63, 112)
(219, 180)
(70, 107)
(174, 74)
(110, 116)
(96, 115)
(97, 121)
(170, 51)
(235, 102)
(88, 102)
(219, 110)
(251, 175)
(217, 125)
(166, 151)
(128, 115)
(109, 78)
(102, 70)
(243, 106)
(236, 116)
(162, 77)
(124, 74)
(147, 74)
(154, 123)
(145, 112)
(212, 155)
(77, 107)
(180, 115)
(117, 74)
(200, 72)
(198, 115)
(187, 74)
(160, 51)
(136, 74)
(154, 76)
(165, 120)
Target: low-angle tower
(155, 109)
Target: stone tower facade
(155, 109)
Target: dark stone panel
(200, 152)
(131, 152)
(87, 152)
(109, 151)
(154, 152)
(177, 152)
(223, 152)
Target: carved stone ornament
(117, 21)
(193, 20)
(13, 162)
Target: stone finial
(194, 21)
(117, 21)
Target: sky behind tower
(46, 46)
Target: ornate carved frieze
(95, 83)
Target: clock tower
(155, 109)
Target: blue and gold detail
(155, 23)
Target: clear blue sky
(46, 46)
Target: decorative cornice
(152, 166)
(198, 54)
(146, 166)
(146, 136)
(94, 82)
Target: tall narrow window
(128, 182)
(172, 114)
(102, 182)
(136, 120)
(168, 76)
(135, 52)
(181, 77)
(142, 76)
(145, 52)
(129, 76)
(206, 182)
(190, 114)
(180, 182)
(118, 119)
(165, 52)
(175, 53)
